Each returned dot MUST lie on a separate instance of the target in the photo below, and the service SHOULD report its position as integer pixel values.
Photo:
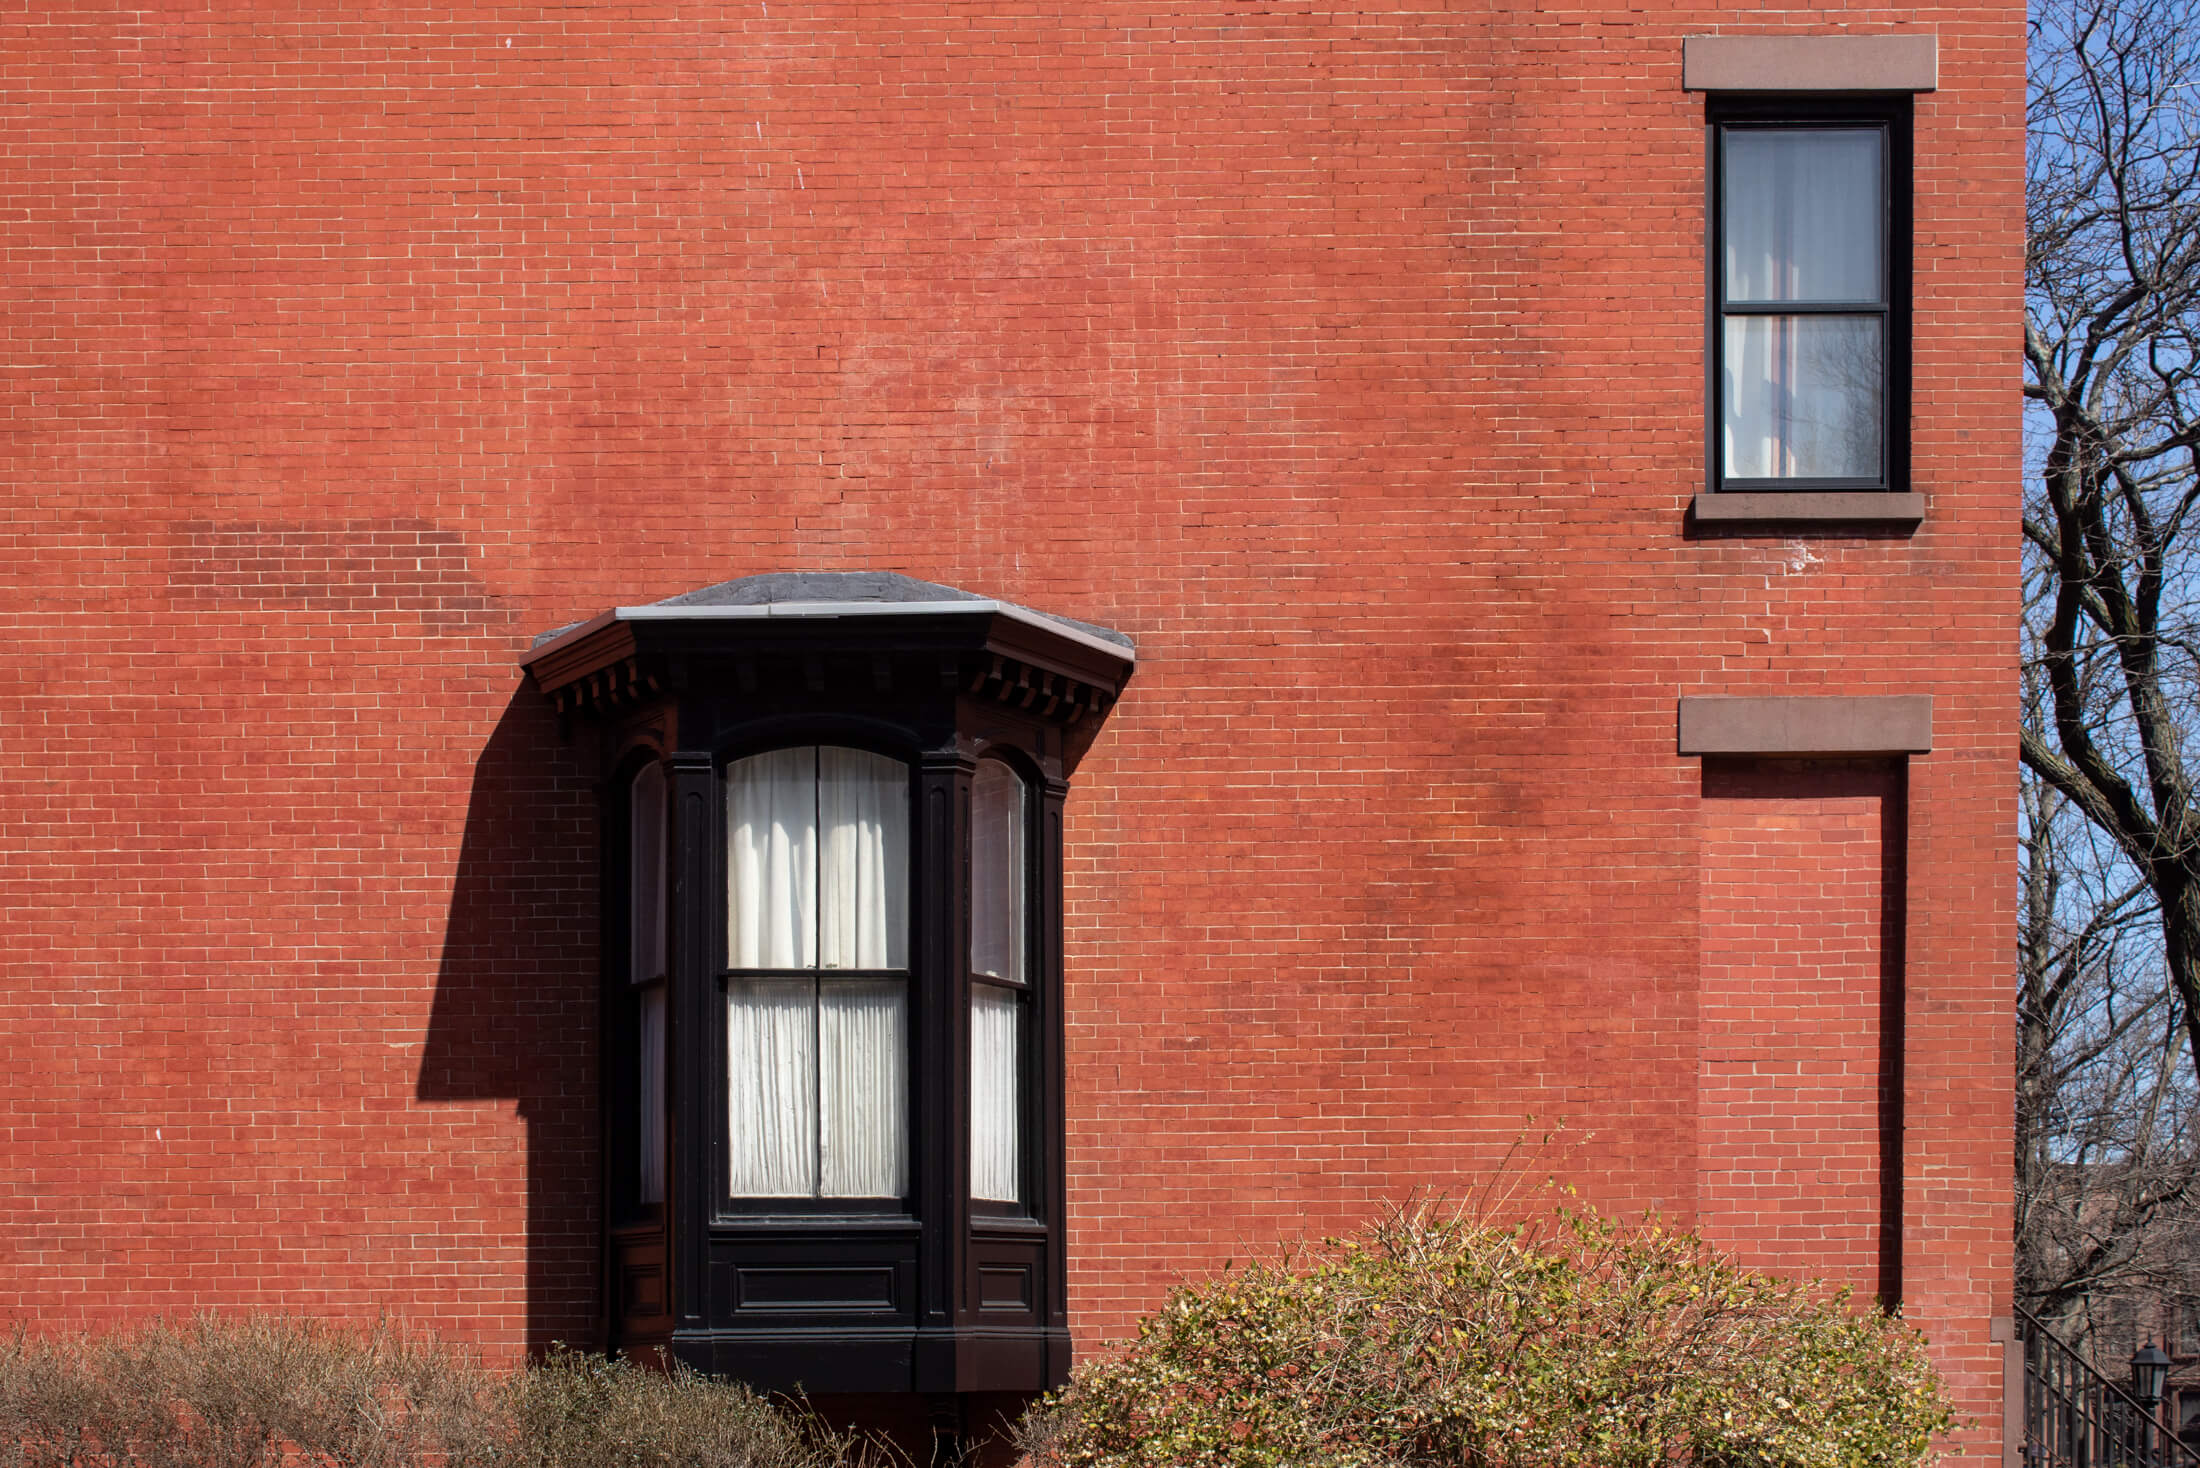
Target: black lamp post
(2149, 1375)
(2149, 1378)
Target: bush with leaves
(1433, 1338)
(268, 1392)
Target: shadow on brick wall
(514, 1019)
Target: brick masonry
(1349, 359)
(1799, 1074)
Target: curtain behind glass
(818, 878)
(997, 872)
(997, 944)
(863, 812)
(771, 860)
(862, 1145)
(994, 1087)
(1802, 215)
(1802, 396)
(771, 1087)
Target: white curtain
(771, 860)
(646, 871)
(863, 1033)
(818, 873)
(994, 1063)
(863, 809)
(652, 1132)
(1802, 396)
(997, 872)
(1801, 208)
(771, 1087)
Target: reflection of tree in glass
(1851, 366)
(1803, 396)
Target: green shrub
(1432, 1338)
(265, 1392)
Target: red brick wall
(1351, 360)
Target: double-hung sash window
(817, 993)
(1000, 980)
(1806, 294)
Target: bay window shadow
(515, 1010)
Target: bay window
(833, 1107)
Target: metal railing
(2074, 1417)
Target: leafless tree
(2109, 959)
(2108, 1191)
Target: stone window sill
(1803, 507)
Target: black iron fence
(2074, 1417)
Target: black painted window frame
(1892, 113)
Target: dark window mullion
(1805, 308)
(736, 975)
(817, 954)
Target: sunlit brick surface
(1350, 359)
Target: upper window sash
(999, 881)
(1803, 216)
(817, 861)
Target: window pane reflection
(1802, 396)
(1802, 212)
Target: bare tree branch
(2108, 963)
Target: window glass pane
(997, 872)
(1802, 214)
(646, 871)
(863, 1034)
(1802, 397)
(863, 812)
(771, 1087)
(817, 873)
(995, 1036)
(771, 860)
(650, 1145)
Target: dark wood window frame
(1884, 496)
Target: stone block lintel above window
(1908, 62)
(1788, 725)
